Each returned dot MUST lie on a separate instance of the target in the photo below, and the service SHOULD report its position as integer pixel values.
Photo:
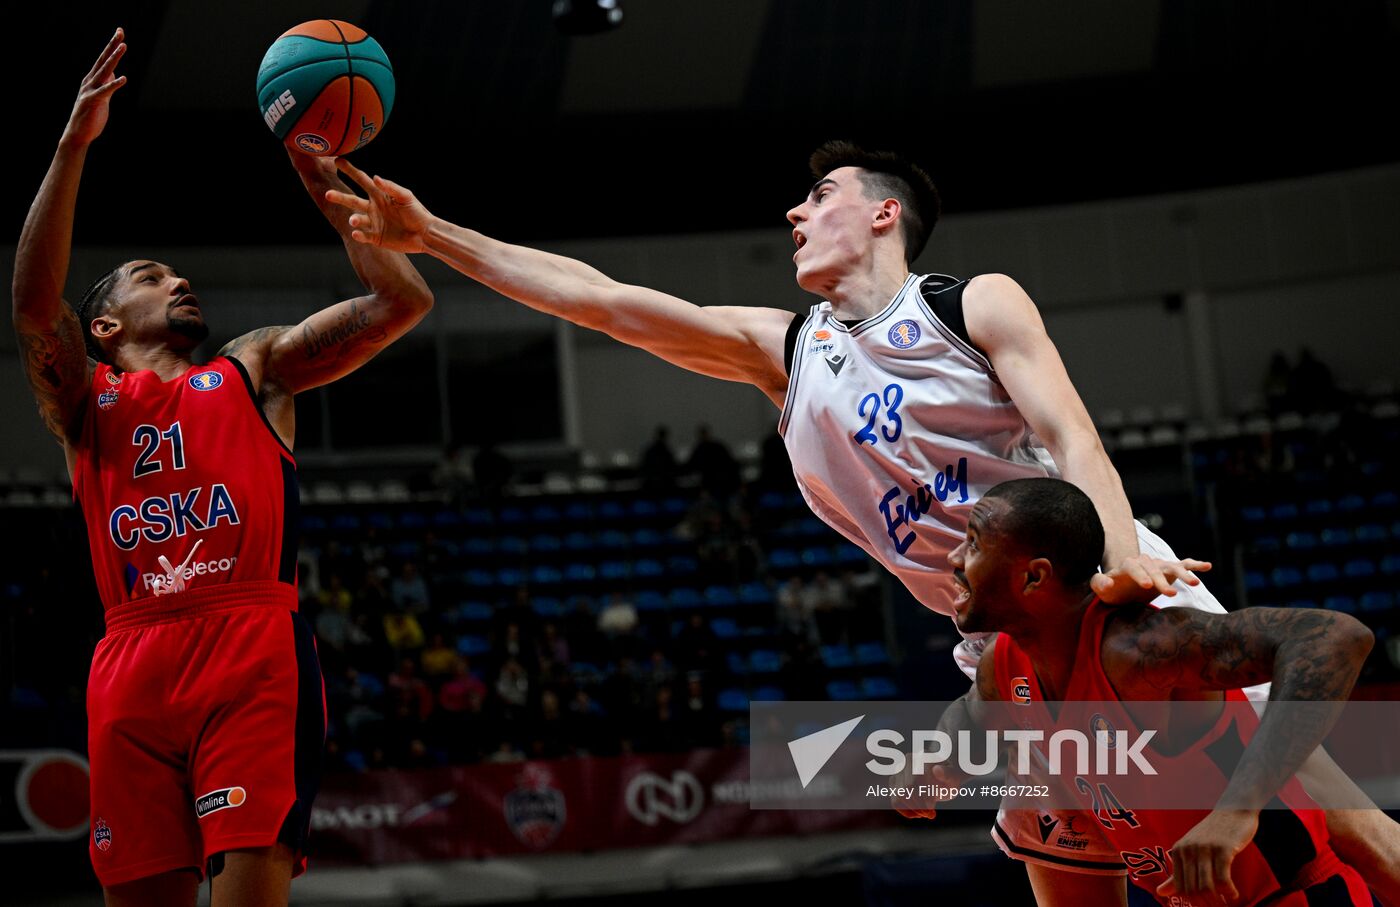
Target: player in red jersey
(1024, 569)
(205, 703)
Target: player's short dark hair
(93, 303)
(1052, 518)
(888, 175)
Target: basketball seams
(325, 86)
(350, 73)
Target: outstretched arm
(50, 337)
(1004, 322)
(1313, 658)
(736, 343)
(337, 340)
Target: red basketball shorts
(206, 724)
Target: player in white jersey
(908, 396)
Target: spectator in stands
(513, 687)
(657, 466)
(716, 466)
(439, 659)
(696, 647)
(411, 691)
(461, 688)
(697, 714)
(402, 632)
(795, 620)
(506, 752)
(334, 596)
(553, 645)
(337, 631)
(659, 673)
(825, 598)
(409, 591)
(373, 555)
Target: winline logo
(214, 801)
(1113, 753)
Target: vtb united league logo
(101, 836)
(206, 381)
(905, 334)
(535, 810)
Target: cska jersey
(161, 466)
(896, 426)
(1290, 851)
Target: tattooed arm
(335, 341)
(50, 337)
(1313, 658)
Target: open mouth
(799, 238)
(189, 300)
(964, 591)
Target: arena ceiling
(698, 115)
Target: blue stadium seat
(1390, 564)
(447, 519)
(771, 500)
(647, 538)
(1351, 503)
(346, 522)
(1377, 601)
(1254, 580)
(685, 597)
(475, 612)
(546, 544)
(1253, 514)
(1344, 603)
(675, 506)
(472, 645)
(1385, 500)
(548, 607)
(513, 545)
(313, 523)
(610, 511)
(1300, 541)
(1336, 537)
(817, 556)
(720, 596)
(580, 573)
(879, 688)
(842, 691)
(847, 554)
(413, 519)
(647, 568)
(509, 576)
(380, 520)
(545, 514)
(1372, 533)
(1323, 572)
(1283, 511)
(725, 628)
(649, 600)
(681, 565)
(733, 700)
(765, 661)
(837, 657)
(769, 694)
(784, 559)
(1359, 568)
(755, 593)
(1318, 507)
(479, 579)
(479, 547)
(738, 664)
(512, 516)
(614, 571)
(644, 509)
(409, 550)
(578, 541)
(578, 512)
(546, 576)
(613, 538)
(480, 517)
(1285, 576)
(1266, 544)
(871, 653)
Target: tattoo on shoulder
(353, 329)
(1180, 648)
(56, 363)
(252, 340)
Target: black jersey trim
(790, 342)
(253, 395)
(1054, 858)
(310, 739)
(794, 368)
(291, 523)
(945, 313)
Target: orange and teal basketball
(325, 87)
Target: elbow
(1357, 636)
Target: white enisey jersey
(895, 427)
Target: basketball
(325, 87)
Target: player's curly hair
(1052, 518)
(888, 175)
(93, 303)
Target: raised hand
(389, 217)
(89, 116)
(1142, 578)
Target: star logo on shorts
(835, 363)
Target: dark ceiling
(699, 114)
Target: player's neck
(1053, 646)
(863, 292)
(168, 364)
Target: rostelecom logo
(214, 801)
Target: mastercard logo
(821, 335)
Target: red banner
(488, 810)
